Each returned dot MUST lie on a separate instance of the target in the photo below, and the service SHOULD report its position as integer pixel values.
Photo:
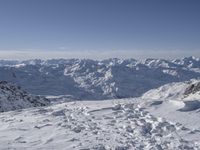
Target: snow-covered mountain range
(13, 98)
(91, 79)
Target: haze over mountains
(91, 79)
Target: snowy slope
(179, 102)
(98, 125)
(188, 90)
(13, 98)
(91, 79)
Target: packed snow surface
(169, 120)
(99, 125)
(179, 102)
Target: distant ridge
(92, 79)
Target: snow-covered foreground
(110, 124)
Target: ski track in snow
(98, 125)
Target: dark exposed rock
(12, 98)
(192, 89)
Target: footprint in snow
(59, 113)
(117, 107)
(78, 129)
(99, 147)
(42, 126)
(49, 140)
(20, 140)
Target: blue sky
(116, 28)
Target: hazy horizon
(25, 55)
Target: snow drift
(188, 90)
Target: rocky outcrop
(13, 98)
(193, 88)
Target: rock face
(13, 98)
(193, 88)
(91, 79)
